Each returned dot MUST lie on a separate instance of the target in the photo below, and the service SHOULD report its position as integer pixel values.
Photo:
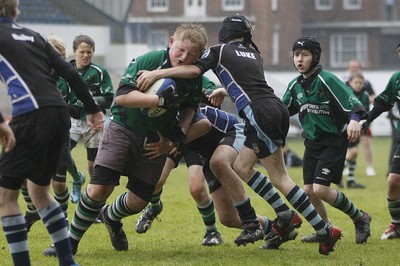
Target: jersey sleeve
(287, 99)
(208, 85)
(387, 98)
(209, 60)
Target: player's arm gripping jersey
(189, 95)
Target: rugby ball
(157, 88)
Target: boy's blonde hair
(58, 44)
(9, 8)
(196, 33)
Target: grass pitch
(176, 239)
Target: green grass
(176, 240)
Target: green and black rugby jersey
(189, 95)
(387, 98)
(324, 104)
(363, 96)
(100, 86)
(65, 90)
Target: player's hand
(95, 121)
(7, 138)
(155, 149)
(353, 131)
(217, 96)
(146, 79)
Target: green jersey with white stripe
(324, 104)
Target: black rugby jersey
(240, 70)
(26, 60)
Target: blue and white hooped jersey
(22, 99)
(220, 120)
(26, 60)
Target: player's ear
(171, 41)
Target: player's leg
(318, 205)
(40, 156)
(155, 206)
(61, 194)
(31, 214)
(393, 198)
(221, 167)
(111, 160)
(366, 141)
(199, 190)
(113, 155)
(52, 141)
(227, 213)
(60, 188)
(287, 219)
(53, 218)
(327, 234)
(77, 176)
(90, 204)
(143, 174)
(91, 156)
(91, 142)
(50, 210)
(76, 134)
(59, 183)
(331, 157)
(13, 223)
(351, 163)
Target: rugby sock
(300, 201)
(31, 209)
(394, 210)
(345, 205)
(119, 209)
(86, 213)
(208, 215)
(73, 171)
(263, 187)
(352, 169)
(155, 202)
(246, 212)
(14, 228)
(62, 199)
(55, 222)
